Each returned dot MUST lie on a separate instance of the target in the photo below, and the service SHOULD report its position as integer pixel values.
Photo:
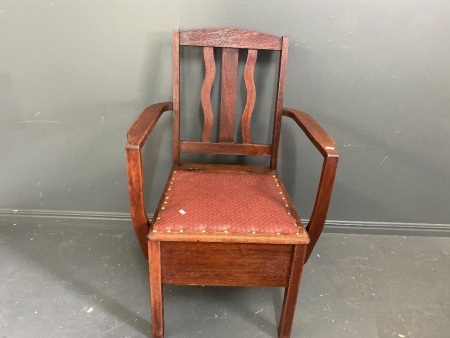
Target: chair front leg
(156, 294)
(291, 292)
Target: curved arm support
(137, 135)
(326, 145)
(141, 128)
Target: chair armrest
(318, 136)
(141, 128)
(137, 135)
(326, 145)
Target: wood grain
(249, 80)
(205, 96)
(225, 264)
(291, 293)
(144, 124)
(223, 167)
(303, 238)
(326, 145)
(156, 294)
(176, 97)
(226, 148)
(136, 197)
(279, 102)
(230, 38)
(323, 198)
(137, 135)
(228, 94)
(314, 131)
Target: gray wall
(74, 75)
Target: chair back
(222, 51)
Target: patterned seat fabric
(232, 202)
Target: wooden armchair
(224, 224)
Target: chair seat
(225, 202)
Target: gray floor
(69, 278)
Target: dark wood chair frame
(162, 249)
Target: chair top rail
(230, 38)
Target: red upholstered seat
(233, 202)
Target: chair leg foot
(156, 295)
(291, 292)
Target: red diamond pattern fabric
(231, 202)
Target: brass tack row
(281, 193)
(165, 202)
(204, 231)
(167, 230)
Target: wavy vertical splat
(249, 80)
(205, 96)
